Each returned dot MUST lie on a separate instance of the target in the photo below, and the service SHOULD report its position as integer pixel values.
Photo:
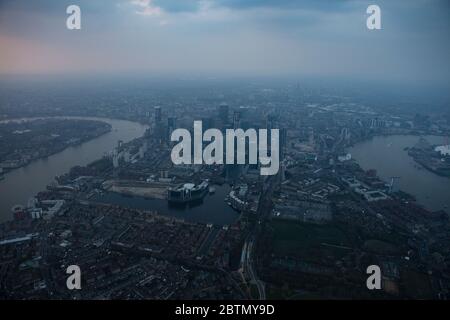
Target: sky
(321, 38)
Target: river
(22, 183)
(386, 154)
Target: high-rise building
(283, 142)
(115, 160)
(159, 129)
(127, 157)
(311, 137)
(158, 114)
(141, 152)
(271, 120)
(223, 113)
(207, 123)
(171, 122)
(171, 125)
(236, 119)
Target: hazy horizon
(229, 38)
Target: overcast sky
(230, 37)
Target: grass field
(309, 241)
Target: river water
(21, 184)
(386, 154)
(212, 209)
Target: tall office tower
(271, 121)
(159, 131)
(282, 172)
(115, 160)
(127, 157)
(158, 114)
(223, 113)
(311, 137)
(345, 134)
(141, 152)
(236, 119)
(207, 123)
(171, 125)
(283, 143)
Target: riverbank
(47, 138)
(431, 160)
(21, 184)
(387, 155)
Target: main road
(263, 213)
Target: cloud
(147, 8)
(177, 6)
(319, 5)
(320, 37)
